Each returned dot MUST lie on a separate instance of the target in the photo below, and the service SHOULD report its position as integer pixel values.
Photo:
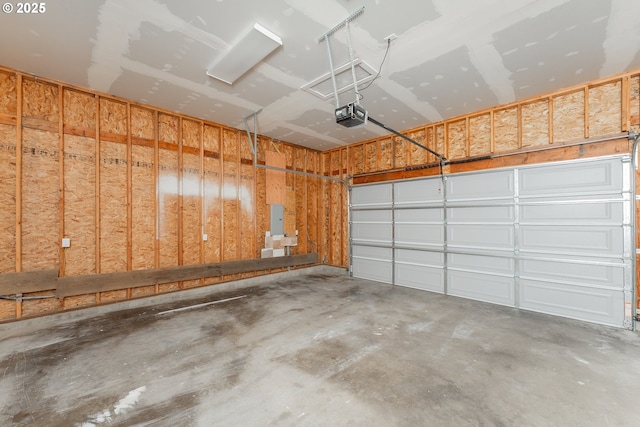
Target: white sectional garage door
(553, 238)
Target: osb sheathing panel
(356, 162)
(430, 141)
(191, 133)
(40, 100)
(325, 213)
(605, 109)
(262, 208)
(311, 233)
(417, 155)
(288, 155)
(7, 309)
(336, 222)
(7, 199)
(400, 152)
(212, 209)
(248, 210)
(40, 200)
(371, 157)
(80, 205)
(191, 209)
(168, 206)
(113, 207)
(211, 138)
(8, 94)
(142, 123)
(32, 307)
(113, 296)
(230, 145)
(634, 101)
(480, 135)
(79, 109)
(440, 143)
(457, 143)
(79, 301)
(168, 128)
(246, 152)
(143, 212)
(386, 153)
(301, 211)
(142, 291)
(290, 212)
(230, 211)
(535, 124)
(505, 129)
(113, 117)
(276, 180)
(568, 117)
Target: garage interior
(193, 232)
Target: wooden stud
(203, 202)
(129, 197)
(550, 109)
(220, 189)
(61, 232)
(586, 112)
(19, 90)
(492, 135)
(156, 207)
(97, 195)
(519, 124)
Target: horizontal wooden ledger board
(36, 281)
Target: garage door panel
(366, 232)
(419, 215)
(572, 178)
(372, 195)
(595, 240)
(487, 264)
(418, 192)
(419, 234)
(481, 214)
(483, 287)
(574, 214)
(478, 186)
(377, 270)
(372, 216)
(420, 277)
(481, 236)
(376, 253)
(431, 258)
(591, 304)
(586, 273)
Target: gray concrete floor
(319, 350)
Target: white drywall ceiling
(451, 56)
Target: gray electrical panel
(277, 219)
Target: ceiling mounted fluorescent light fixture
(245, 54)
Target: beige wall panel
(8, 94)
(191, 133)
(7, 199)
(211, 138)
(7, 309)
(143, 203)
(247, 214)
(113, 207)
(480, 135)
(79, 109)
(535, 124)
(400, 152)
(457, 143)
(168, 128)
(605, 114)
(36, 307)
(142, 124)
(80, 205)
(168, 206)
(371, 157)
(113, 117)
(213, 209)
(40, 200)
(191, 209)
(505, 129)
(40, 100)
(79, 301)
(386, 153)
(568, 117)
